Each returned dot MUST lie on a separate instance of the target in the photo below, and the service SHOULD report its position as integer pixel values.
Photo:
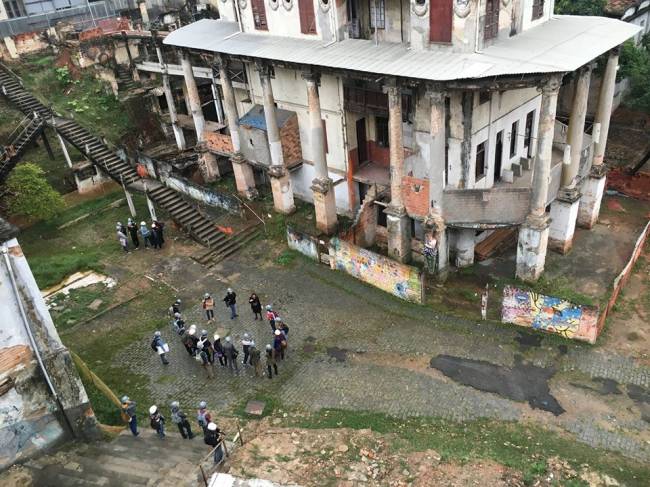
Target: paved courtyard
(354, 347)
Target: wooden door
(491, 19)
(362, 142)
(440, 20)
(307, 16)
(259, 14)
(498, 156)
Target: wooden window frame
(381, 18)
(491, 27)
(480, 161)
(538, 9)
(307, 16)
(259, 15)
(382, 131)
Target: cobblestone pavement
(327, 309)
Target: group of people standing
(212, 435)
(151, 236)
(210, 350)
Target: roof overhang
(561, 45)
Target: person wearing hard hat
(179, 418)
(208, 306)
(270, 361)
(128, 414)
(246, 343)
(271, 316)
(279, 344)
(160, 347)
(256, 360)
(146, 234)
(157, 421)
(132, 227)
(203, 416)
(230, 354)
(213, 437)
(231, 302)
(218, 349)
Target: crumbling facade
(446, 110)
(42, 399)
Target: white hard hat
(206, 295)
(157, 333)
(227, 339)
(246, 336)
(125, 398)
(203, 405)
(175, 404)
(216, 336)
(277, 332)
(212, 426)
(153, 409)
(278, 319)
(269, 307)
(229, 289)
(192, 331)
(143, 223)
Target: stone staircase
(143, 461)
(227, 247)
(24, 134)
(124, 79)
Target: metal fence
(85, 15)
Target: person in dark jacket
(203, 416)
(256, 306)
(231, 302)
(213, 437)
(160, 226)
(128, 414)
(160, 347)
(146, 234)
(157, 421)
(279, 343)
(132, 227)
(256, 360)
(270, 361)
(218, 350)
(155, 236)
(179, 418)
(230, 353)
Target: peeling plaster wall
(29, 417)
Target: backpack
(198, 358)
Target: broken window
(479, 170)
(12, 7)
(381, 127)
(528, 135)
(514, 133)
(307, 16)
(483, 97)
(377, 14)
(259, 14)
(491, 19)
(538, 9)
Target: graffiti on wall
(377, 270)
(547, 313)
(303, 243)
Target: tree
(580, 7)
(635, 66)
(30, 195)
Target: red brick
(415, 193)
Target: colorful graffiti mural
(547, 313)
(303, 243)
(398, 279)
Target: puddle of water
(523, 383)
(76, 281)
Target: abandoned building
(42, 399)
(439, 116)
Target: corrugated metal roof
(255, 117)
(562, 44)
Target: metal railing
(7, 70)
(23, 126)
(204, 475)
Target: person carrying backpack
(203, 416)
(271, 316)
(214, 438)
(157, 421)
(160, 347)
(179, 418)
(202, 358)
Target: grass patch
(286, 258)
(73, 308)
(521, 447)
(560, 287)
(105, 411)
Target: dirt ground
(345, 457)
(628, 137)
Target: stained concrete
(522, 382)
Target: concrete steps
(228, 246)
(28, 130)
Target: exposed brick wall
(415, 193)
(290, 138)
(218, 143)
(378, 154)
(29, 42)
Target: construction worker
(157, 421)
(179, 418)
(208, 306)
(203, 357)
(270, 361)
(128, 414)
(279, 344)
(146, 234)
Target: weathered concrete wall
(303, 243)
(550, 314)
(30, 418)
(303, 178)
(400, 280)
(502, 206)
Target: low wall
(377, 270)
(167, 174)
(529, 309)
(624, 275)
(303, 243)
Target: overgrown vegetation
(81, 96)
(580, 7)
(74, 308)
(520, 446)
(30, 195)
(635, 65)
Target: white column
(129, 201)
(171, 106)
(465, 242)
(193, 96)
(64, 149)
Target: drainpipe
(32, 341)
(238, 14)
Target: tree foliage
(580, 7)
(30, 195)
(635, 66)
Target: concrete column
(594, 186)
(208, 164)
(193, 96)
(171, 106)
(465, 241)
(11, 47)
(398, 222)
(576, 131)
(533, 234)
(605, 103)
(144, 13)
(64, 149)
(129, 201)
(244, 176)
(280, 179)
(152, 208)
(437, 150)
(564, 213)
(324, 198)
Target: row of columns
(573, 204)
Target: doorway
(362, 142)
(498, 156)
